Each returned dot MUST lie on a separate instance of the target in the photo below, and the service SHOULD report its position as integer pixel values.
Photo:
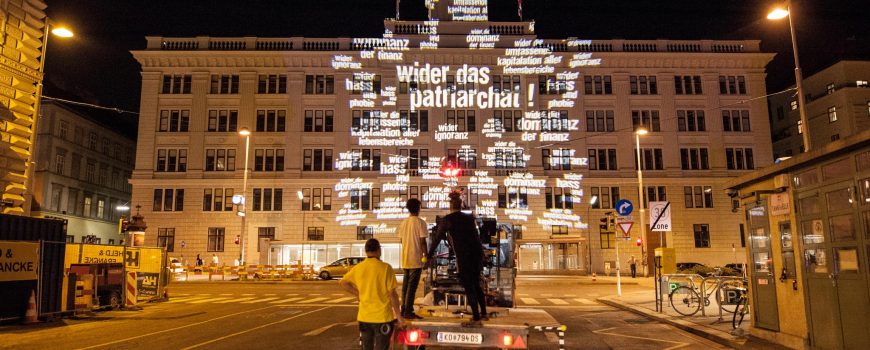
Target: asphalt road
(318, 315)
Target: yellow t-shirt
(375, 280)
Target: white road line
(286, 300)
(253, 329)
(309, 301)
(186, 299)
(333, 301)
(233, 300)
(292, 294)
(249, 294)
(585, 301)
(270, 294)
(208, 300)
(260, 300)
(558, 301)
(338, 294)
(530, 301)
(313, 293)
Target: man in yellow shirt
(374, 283)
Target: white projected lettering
(391, 208)
(350, 217)
(449, 132)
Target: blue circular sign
(624, 207)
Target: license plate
(460, 338)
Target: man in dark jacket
(465, 241)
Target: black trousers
(409, 290)
(633, 270)
(473, 292)
(376, 336)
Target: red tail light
(507, 340)
(412, 336)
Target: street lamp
(780, 13)
(243, 211)
(637, 134)
(592, 202)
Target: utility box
(668, 259)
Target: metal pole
(798, 77)
(245, 201)
(589, 238)
(618, 276)
(641, 201)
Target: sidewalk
(709, 326)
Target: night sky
(96, 65)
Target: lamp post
(780, 13)
(592, 202)
(642, 213)
(243, 211)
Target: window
(63, 130)
(832, 114)
(315, 233)
(414, 192)
(608, 240)
(694, 159)
(87, 205)
(217, 199)
(556, 159)
(168, 199)
(364, 233)
(223, 120)
(506, 83)
(72, 202)
(559, 229)
(365, 199)
(829, 89)
(464, 158)
(91, 171)
(600, 121)
(174, 120)
(166, 238)
(224, 84)
(509, 158)
(92, 141)
(655, 194)
(414, 121)
(319, 85)
(216, 239)
(104, 146)
(101, 208)
(365, 120)
(364, 82)
(602, 159)
(554, 121)
(702, 235)
(272, 84)
(732, 85)
(736, 120)
(698, 196)
(739, 158)
(861, 83)
(76, 166)
(835, 137)
(800, 127)
(512, 197)
(793, 105)
(268, 159)
(60, 161)
(171, 160)
(691, 120)
(648, 120)
(550, 85)
(56, 193)
(643, 85)
(220, 159)
(464, 120)
(176, 84)
(264, 232)
(366, 159)
(268, 199)
(652, 159)
(104, 175)
(687, 85)
(508, 121)
(317, 160)
(598, 85)
(316, 121)
(276, 120)
(70, 239)
(607, 197)
(316, 199)
(558, 198)
(417, 159)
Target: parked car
(339, 267)
(736, 267)
(687, 265)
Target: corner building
(341, 136)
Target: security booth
(808, 240)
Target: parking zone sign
(660, 216)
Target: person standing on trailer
(413, 233)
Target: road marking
(208, 300)
(313, 293)
(253, 329)
(585, 301)
(309, 301)
(340, 300)
(249, 294)
(260, 300)
(676, 346)
(233, 300)
(176, 328)
(530, 301)
(326, 328)
(338, 294)
(558, 301)
(269, 294)
(286, 300)
(292, 294)
(185, 299)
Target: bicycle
(742, 306)
(688, 299)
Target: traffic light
(608, 222)
(639, 242)
(449, 169)
(237, 239)
(605, 221)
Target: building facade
(838, 105)
(23, 31)
(343, 130)
(81, 175)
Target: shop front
(321, 254)
(552, 256)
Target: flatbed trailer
(507, 328)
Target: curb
(715, 335)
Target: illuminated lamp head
(455, 200)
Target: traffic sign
(660, 216)
(626, 228)
(624, 207)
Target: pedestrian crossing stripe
(530, 301)
(309, 301)
(259, 300)
(186, 299)
(585, 301)
(558, 301)
(207, 300)
(334, 301)
(290, 300)
(234, 300)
